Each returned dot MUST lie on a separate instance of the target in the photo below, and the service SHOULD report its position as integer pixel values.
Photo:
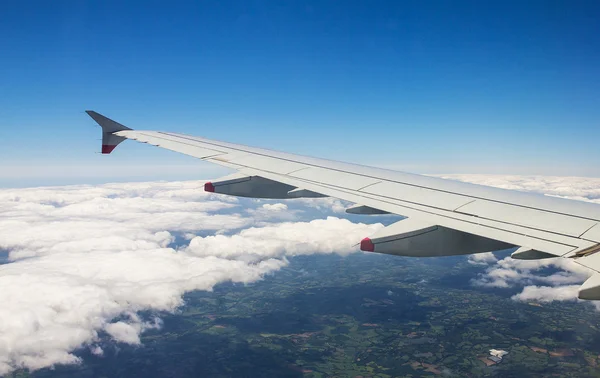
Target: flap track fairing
(410, 237)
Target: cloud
(269, 212)
(548, 293)
(85, 261)
(124, 332)
(482, 258)
(578, 188)
(40, 221)
(96, 350)
(55, 303)
(565, 276)
(129, 332)
(275, 207)
(509, 272)
(285, 239)
(325, 203)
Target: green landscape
(357, 316)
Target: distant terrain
(357, 316)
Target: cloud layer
(579, 188)
(84, 260)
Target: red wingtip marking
(209, 187)
(367, 245)
(106, 149)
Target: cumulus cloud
(548, 293)
(269, 212)
(565, 277)
(290, 239)
(96, 350)
(325, 203)
(482, 258)
(275, 207)
(509, 272)
(41, 221)
(84, 261)
(129, 332)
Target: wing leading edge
(445, 217)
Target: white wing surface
(445, 217)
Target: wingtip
(107, 149)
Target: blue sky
(423, 86)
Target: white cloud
(579, 188)
(275, 206)
(331, 235)
(124, 332)
(129, 331)
(86, 259)
(269, 212)
(96, 350)
(482, 258)
(325, 203)
(38, 221)
(548, 293)
(509, 272)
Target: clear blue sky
(425, 86)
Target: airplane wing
(444, 217)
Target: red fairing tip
(209, 187)
(367, 245)
(106, 149)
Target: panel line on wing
(297, 170)
(366, 186)
(457, 209)
(586, 231)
